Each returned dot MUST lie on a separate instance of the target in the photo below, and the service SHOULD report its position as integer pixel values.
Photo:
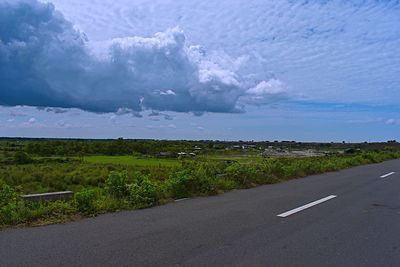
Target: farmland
(132, 161)
(111, 175)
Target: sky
(314, 70)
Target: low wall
(53, 196)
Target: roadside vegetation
(105, 184)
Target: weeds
(140, 189)
(85, 201)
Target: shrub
(143, 193)
(195, 181)
(8, 215)
(276, 167)
(7, 195)
(205, 180)
(8, 205)
(85, 200)
(244, 174)
(117, 184)
(177, 184)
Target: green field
(113, 175)
(157, 162)
(132, 161)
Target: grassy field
(157, 162)
(132, 161)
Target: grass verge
(121, 190)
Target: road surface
(345, 218)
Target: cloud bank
(331, 51)
(46, 62)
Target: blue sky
(228, 70)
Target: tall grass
(127, 189)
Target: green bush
(85, 200)
(241, 173)
(117, 184)
(177, 185)
(7, 195)
(8, 205)
(191, 181)
(143, 193)
(250, 174)
(8, 215)
(275, 167)
(205, 180)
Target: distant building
(247, 147)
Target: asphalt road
(357, 225)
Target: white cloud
(338, 51)
(46, 61)
(270, 87)
(167, 92)
(266, 92)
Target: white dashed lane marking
(388, 174)
(309, 205)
